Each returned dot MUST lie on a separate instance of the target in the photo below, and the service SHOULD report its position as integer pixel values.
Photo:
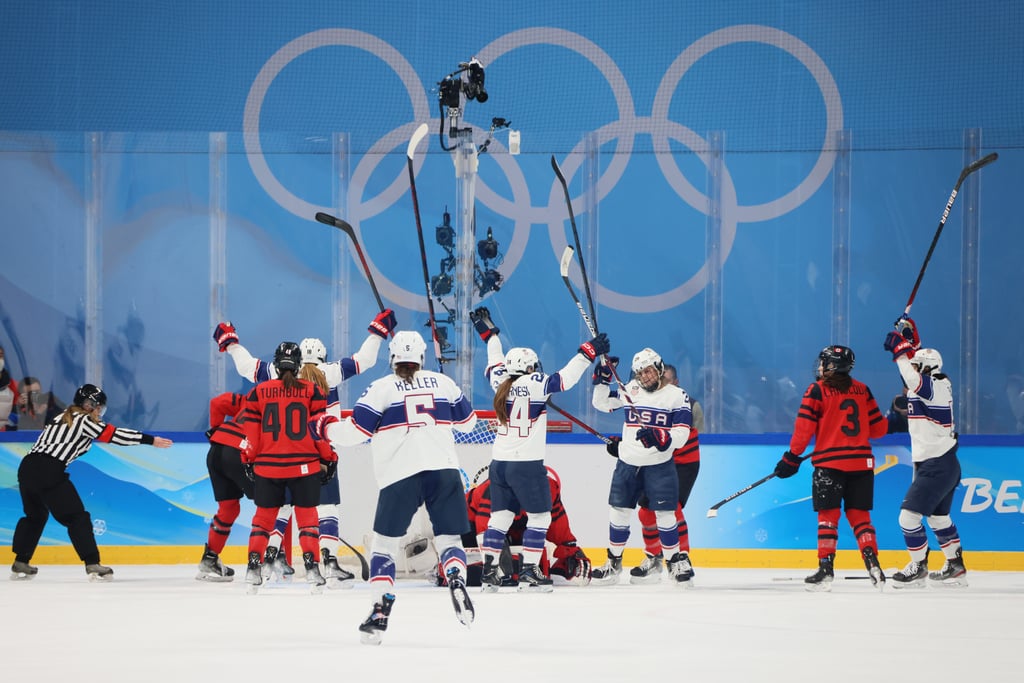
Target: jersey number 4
(294, 423)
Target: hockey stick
(713, 510)
(968, 170)
(799, 578)
(576, 239)
(410, 153)
(364, 569)
(583, 425)
(328, 219)
(563, 267)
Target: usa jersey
(840, 422)
(667, 408)
(409, 424)
(929, 412)
(524, 436)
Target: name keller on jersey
(417, 383)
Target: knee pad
(619, 517)
(829, 518)
(666, 519)
(501, 520)
(227, 513)
(910, 520)
(538, 520)
(647, 518)
(940, 522)
(263, 520)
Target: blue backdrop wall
(752, 181)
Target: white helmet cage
(521, 360)
(929, 360)
(644, 359)
(407, 347)
(313, 350)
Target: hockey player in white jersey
(933, 446)
(409, 416)
(329, 377)
(657, 421)
(519, 480)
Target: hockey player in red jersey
(840, 414)
(227, 477)
(561, 557)
(281, 455)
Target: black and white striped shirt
(67, 442)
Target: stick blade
(326, 218)
(563, 265)
(557, 170)
(712, 512)
(414, 141)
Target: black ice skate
(821, 580)
(649, 570)
(314, 578)
(874, 569)
(911, 576)
(371, 630)
(333, 572)
(23, 571)
(274, 562)
(609, 572)
(97, 572)
(492, 580)
(532, 579)
(953, 573)
(680, 569)
(253, 574)
(211, 568)
(460, 598)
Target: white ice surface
(157, 623)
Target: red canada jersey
(276, 423)
(689, 451)
(227, 432)
(840, 422)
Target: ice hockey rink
(157, 623)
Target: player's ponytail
(501, 398)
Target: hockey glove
(613, 446)
(598, 346)
(788, 466)
(577, 568)
(653, 437)
(898, 345)
(330, 473)
(318, 427)
(603, 370)
(250, 470)
(485, 327)
(908, 330)
(383, 324)
(225, 335)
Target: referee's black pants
(46, 489)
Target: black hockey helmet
(89, 396)
(835, 358)
(287, 356)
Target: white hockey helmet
(313, 350)
(521, 360)
(407, 347)
(928, 360)
(646, 358)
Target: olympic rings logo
(520, 208)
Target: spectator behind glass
(897, 415)
(8, 398)
(36, 408)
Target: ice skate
(460, 598)
(371, 630)
(952, 575)
(314, 578)
(211, 568)
(275, 563)
(23, 571)
(821, 580)
(874, 569)
(335, 575)
(649, 570)
(608, 573)
(492, 580)
(98, 572)
(680, 569)
(532, 579)
(911, 576)
(253, 574)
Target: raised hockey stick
(410, 153)
(575, 420)
(576, 239)
(563, 268)
(364, 568)
(328, 219)
(713, 510)
(968, 170)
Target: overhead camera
(488, 279)
(488, 248)
(469, 80)
(445, 233)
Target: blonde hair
(68, 416)
(311, 373)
